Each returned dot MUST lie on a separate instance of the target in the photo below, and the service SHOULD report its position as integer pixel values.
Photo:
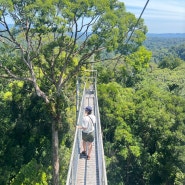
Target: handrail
(72, 171)
(101, 160)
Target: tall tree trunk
(55, 155)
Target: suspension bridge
(82, 171)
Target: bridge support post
(77, 98)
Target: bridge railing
(72, 171)
(99, 145)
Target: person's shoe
(84, 153)
(88, 157)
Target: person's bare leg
(84, 146)
(89, 149)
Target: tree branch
(12, 75)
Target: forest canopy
(141, 93)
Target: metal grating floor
(87, 172)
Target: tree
(170, 80)
(159, 122)
(143, 129)
(25, 134)
(143, 125)
(179, 51)
(49, 41)
(170, 62)
(126, 71)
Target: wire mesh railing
(73, 166)
(99, 146)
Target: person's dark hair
(88, 109)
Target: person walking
(87, 131)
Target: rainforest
(140, 84)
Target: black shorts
(88, 137)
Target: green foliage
(170, 62)
(126, 71)
(165, 45)
(160, 132)
(30, 174)
(178, 51)
(139, 60)
(170, 80)
(116, 110)
(26, 136)
(64, 161)
(144, 129)
(25, 133)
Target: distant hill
(149, 35)
(166, 40)
(166, 35)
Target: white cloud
(171, 13)
(172, 5)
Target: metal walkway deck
(87, 172)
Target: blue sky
(161, 16)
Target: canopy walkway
(82, 171)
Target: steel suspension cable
(138, 21)
(132, 32)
